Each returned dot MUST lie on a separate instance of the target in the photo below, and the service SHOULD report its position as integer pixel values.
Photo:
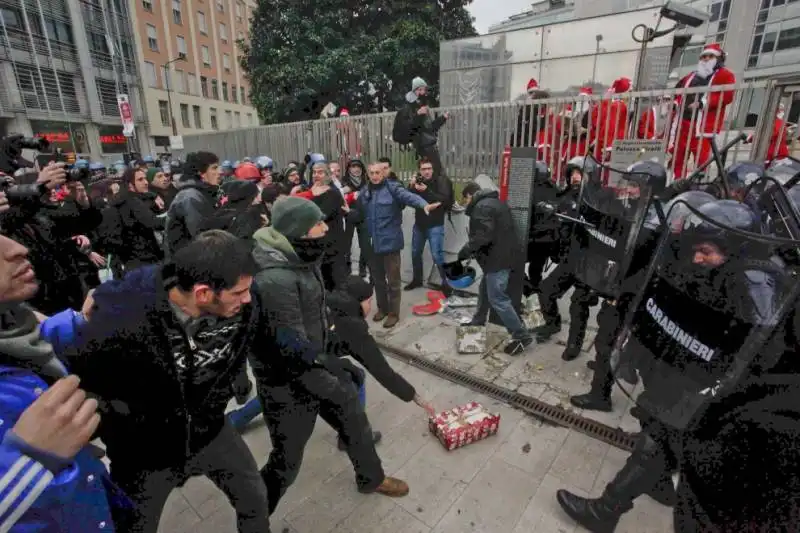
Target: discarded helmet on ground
(459, 276)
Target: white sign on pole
(626, 152)
(176, 142)
(126, 114)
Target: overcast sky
(488, 12)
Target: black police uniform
(659, 447)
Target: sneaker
(380, 315)
(413, 285)
(392, 487)
(517, 346)
(376, 438)
(391, 320)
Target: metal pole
(598, 38)
(169, 98)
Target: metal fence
(474, 137)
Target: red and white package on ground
(464, 425)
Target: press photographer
(44, 211)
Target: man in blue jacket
(382, 205)
(50, 481)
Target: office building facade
(190, 62)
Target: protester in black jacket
(494, 244)
(424, 127)
(139, 223)
(434, 189)
(354, 179)
(161, 351)
(349, 305)
(161, 185)
(242, 212)
(195, 201)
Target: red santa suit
(691, 133)
(577, 145)
(347, 138)
(652, 122)
(778, 149)
(610, 119)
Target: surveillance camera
(683, 14)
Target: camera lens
(78, 174)
(39, 144)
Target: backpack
(401, 130)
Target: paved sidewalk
(505, 484)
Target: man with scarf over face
(299, 381)
(702, 114)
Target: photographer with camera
(47, 228)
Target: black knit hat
(241, 192)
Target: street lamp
(599, 39)
(181, 57)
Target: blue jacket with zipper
(383, 210)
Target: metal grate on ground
(544, 411)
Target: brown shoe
(392, 487)
(380, 315)
(391, 320)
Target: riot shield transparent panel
(709, 313)
(612, 216)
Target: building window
(237, 120)
(176, 11)
(185, 116)
(214, 90)
(204, 86)
(180, 84)
(250, 119)
(213, 115)
(223, 32)
(226, 62)
(152, 38)
(239, 11)
(181, 42)
(240, 36)
(221, 6)
(147, 5)
(163, 110)
(228, 119)
(198, 122)
(225, 91)
(150, 74)
(201, 23)
(191, 84)
(789, 38)
(234, 94)
(206, 56)
(242, 95)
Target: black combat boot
(547, 330)
(640, 474)
(664, 491)
(599, 396)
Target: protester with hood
(301, 381)
(424, 128)
(139, 223)
(493, 243)
(161, 186)
(195, 201)
(242, 212)
(381, 205)
(166, 377)
(353, 181)
(350, 304)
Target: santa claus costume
(347, 138)
(701, 115)
(652, 123)
(609, 120)
(578, 142)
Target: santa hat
(533, 85)
(621, 85)
(344, 112)
(586, 91)
(713, 49)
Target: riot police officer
(562, 278)
(612, 313)
(704, 321)
(543, 229)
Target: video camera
(11, 161)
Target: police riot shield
(612, 217)
(708, 313)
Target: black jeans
(334, 270)
(226, 461)
(385, 272)
(290, 412)
(364, 246)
